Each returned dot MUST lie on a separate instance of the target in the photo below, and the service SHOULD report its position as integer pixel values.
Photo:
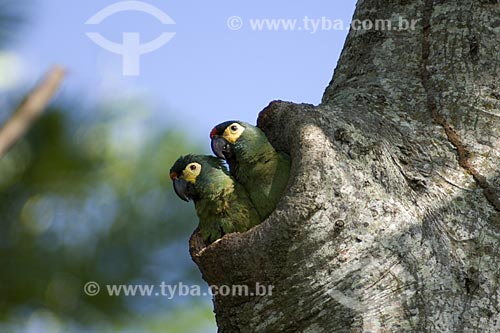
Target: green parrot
(253, 162)
(221, 203)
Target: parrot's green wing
(231, 212)
(223, 206)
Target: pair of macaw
(234, 201)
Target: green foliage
(90, 200)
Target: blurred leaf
(76, 207)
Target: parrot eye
(191, 171)
(233, 132)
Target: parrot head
(190, 173)
(233, 137)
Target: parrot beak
(221, 147)
(180, 188)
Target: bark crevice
(463, 154)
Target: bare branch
(30, 109)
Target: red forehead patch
(173, 175)
(213, 133)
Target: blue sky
(207, 73)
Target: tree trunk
(391, 222)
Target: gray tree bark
(391, 222)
